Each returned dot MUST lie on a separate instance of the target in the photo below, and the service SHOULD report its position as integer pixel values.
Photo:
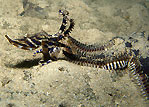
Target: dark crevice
(145, 64)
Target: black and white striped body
(80, 53)
(124, 62)
(31, 42)
(140, 78)
(106, 63)
(50, 43)
(115, 65)
(91, 50)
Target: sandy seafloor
(23, 83)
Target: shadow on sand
(24, 63)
